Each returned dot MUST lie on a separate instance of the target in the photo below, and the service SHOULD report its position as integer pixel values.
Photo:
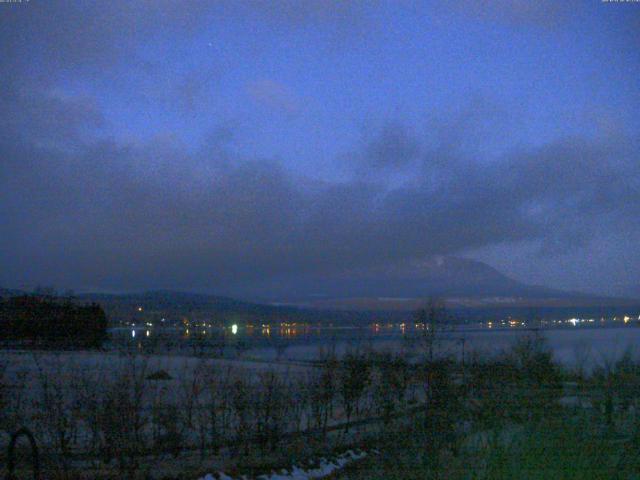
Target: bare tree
(322, 391)
(3, 395)
(354, 376)
(220, 408)
(429, 320)
(59, 403)
(122, 416)
(582, 352)
(242, 395)
(270, 409)
(392, 379)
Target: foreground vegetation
(568, 445)
(520, 416)
(35, 321)
(513, 415)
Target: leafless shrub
(190, 390)
(121, 415)
(353, 379)
(583, 354)
(321, 391)
(270, 409)
(615, 386)
(17, 408)
(58, 402)
(298, 403)
(521, 384)
(442, 404)
(392, 377)
(241, 399)
(169, 421)
(241, 347)
(429, 320)
(3, 395)
(208, 410)
(219, 408)
(90, 398)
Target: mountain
(627, 291)
(405, 285)
(171, 300)
(175, 305)
(434, 276)
(350, 293)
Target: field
(111, 414)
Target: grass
(570, 446)
(570, 449)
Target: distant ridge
(351, 293)
(405, 285)
(440, 276)
(180, 301)
(178, 304)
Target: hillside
(463, 283)
(445, 277)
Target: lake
(586, 345)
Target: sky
(207, 145)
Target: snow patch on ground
(325, 468)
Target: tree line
(43, 321)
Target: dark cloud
(42, 115)
(394, 145)
(153, 215)
(79, 208)
(274, 95)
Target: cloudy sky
(207, 144)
